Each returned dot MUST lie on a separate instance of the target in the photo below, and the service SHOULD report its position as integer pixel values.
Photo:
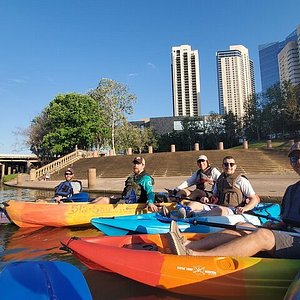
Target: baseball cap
(295, 147)
(139, 160)
(204, 157)
(69, 170)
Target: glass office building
(268, 61)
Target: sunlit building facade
(185, 81)
(235, 79)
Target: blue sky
(50, 47)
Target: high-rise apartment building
(289, 63)
(235, 79)
(268, 60)
(185, 81)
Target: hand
(240, 210)
(204, 200)
(152, 207)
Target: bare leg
(247, 245)
(196, 206)
(101, 200)
(213, 240)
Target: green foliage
(70, 120)
(115, 103)
(9, 177)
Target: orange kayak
(39, 214)
(145, 258)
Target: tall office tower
(289, 63)
(235, 79)
(268, 61)
(185, 81)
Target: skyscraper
(235, 79)
(289, 61)
(268, 61)
(185, 81)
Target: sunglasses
(201, 160)
(294, 159)
(66, 174)
(226, 165)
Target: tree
(213, 131)
(232, 130)
(252, 120)
(129, 136)
(115, 102)
(191, 129)
(70, 120)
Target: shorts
(286, 246)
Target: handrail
(58, 164)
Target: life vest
(204, 179)
(228, 193)
(64, 189)
(133, 192)
(290, 206)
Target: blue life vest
(64, 189)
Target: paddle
(239, 227)
(268, 217)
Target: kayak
(43, 280)
(154, 223)
(145, 258)
(39, 214)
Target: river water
(44, 244)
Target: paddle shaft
(239, 227)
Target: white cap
(204, 157)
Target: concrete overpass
(17, 163)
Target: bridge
(17, 163)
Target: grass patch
(9, 177)
(276, 144)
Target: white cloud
(133, 75)
(151, 65)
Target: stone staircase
(250, 161)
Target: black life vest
(204, 179)
(290, 207)
(133, 192)
(228, 193)
(64, 189)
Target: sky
(51, 47)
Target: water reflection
(44, 243)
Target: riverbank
(266, 185)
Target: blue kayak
(154, 223)
(43, 280)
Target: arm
(146, 183)
(252, 198)
(189, 182)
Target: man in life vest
(276, 240)
(204, 179)
(66, 189)
(232, 193)
(138, 187)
